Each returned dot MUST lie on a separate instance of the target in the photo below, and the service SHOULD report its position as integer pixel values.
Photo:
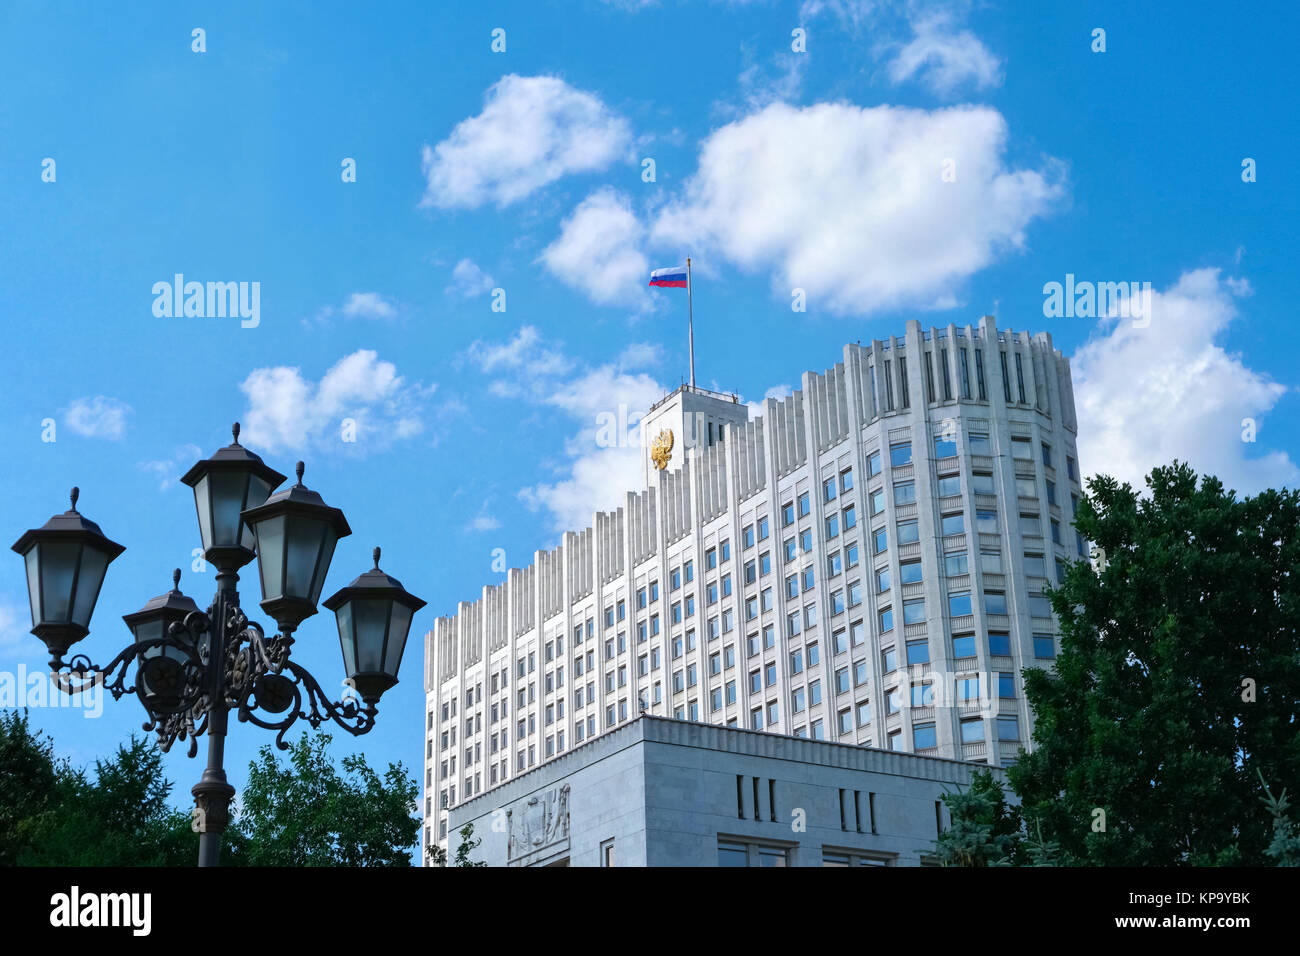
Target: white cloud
(943, 58)
(168, 471)
(532, 131)
(593, 476)
(1146, 396)
(483, 521)
(368, 305)
(529, 362)
(598, 250)
(98, 417)
(468, 280)
(287, 411)
(770, 195)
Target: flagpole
(690, 313)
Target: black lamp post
(194, 667)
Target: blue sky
(522, 171)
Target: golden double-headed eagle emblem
(662, 449)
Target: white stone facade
(810, 571)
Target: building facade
(660, 792)
(862, 563)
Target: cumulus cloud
(368, 305)
(168, 471)
(598, 250)
(595, 474)
(288, 411)
(98, 417)
(468, 280)
(943, 57)
(850, 203)
(1146, 396)
(532, 131)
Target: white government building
(863, 563)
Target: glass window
(968, 687)
(889, 658)
(908, 532)
(763, 528)
(832, 525)
(846, 480)
(880, 540)
(787, 514)
(954, 524)
(963, 645)
(959, 603)
(1039, 606)
(842, 680)
(876, 501)
(918, 652)
(949, 485)
(977, 443)
(834, 564)
(904, 492)
(923, 737)
(748, 536)
(909, 572)
(1000, 643)
(882, 580)
(1044, 647)
(944, 447)
(1006, 684)
(830, 489)
(815, 692)
(804, 505)
(913, 612)
(1034, 566)
(873, 464)
(900, 454)
(955, 564)
(1008, 728)
(850, 517)
(995, 602)
(859, 672)
(887, 620)
(972, 731)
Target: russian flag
(674, 278)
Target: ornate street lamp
(374, 616)
(66, 561)
(296, 533)
(194, 667)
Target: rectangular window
(914, 612)
(1044, 647)
(949, 485)
(953, 524)
(1006, 381)
(972, 731)
(995, 602)
(963, 645)
(923, 735)
(1006, 684)
(1020, 380)
(955, 564)
(873, 464)
(979, 374)
(1008, 728)
(999, 643)
(908, 532)
(918, 652)
(900, 454)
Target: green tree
(437, 856)
(308, 814)
(1285, 848)
(53, 815)
(29, 779)
(1178, 678)
(984, 830)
